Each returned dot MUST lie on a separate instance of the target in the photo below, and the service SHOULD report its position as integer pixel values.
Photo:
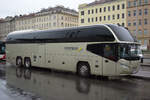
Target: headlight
(124, 65)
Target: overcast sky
(17, 7)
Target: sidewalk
(146, 56)
(146, 60)
(145, 64)
(144, 73)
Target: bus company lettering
(73, 48)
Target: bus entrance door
(109, 64)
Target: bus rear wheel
(27, 62)
(19, 61)
(83, 69)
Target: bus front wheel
(27, 62)
(83, 69)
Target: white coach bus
(107, 50)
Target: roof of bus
(50, 30)
(36, 34)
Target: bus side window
(96, 49)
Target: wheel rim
(27, 63)
(84, 70)
(19, 62)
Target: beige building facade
(138, 19)
(51, 18)
(103, 12)
(6, 25)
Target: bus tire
(27, 62)
(83, 69)
(19, 61)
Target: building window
(96, 19)
(140, 32)
(118, 7)
(62, 17)
(113, 17)
(100, 10)
(92, 11)
(96, 10)
(145, 42)
(113, 7)
(62, 24)
(82, 20)
(100, 18)
(108, 17)
(145, 31)
(123, 15)
(140, 22)
(104, 9)
(129, 4)
(140, 41)
(145, 11)
(134, 32)
(145, 21)
(104, 18)
(146, 1)
(89, 20)
(129, 23)
(134, 23)
(140, 3)
(54, 24)
(118, 16)
(88, 11)
(129, 13)
(66, 18)
(140, 12)
(54, 17)
(123, 6)
(92, 19)
(108, 8)
(134, 3)
(134, 12)
(122, 24)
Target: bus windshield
(122, 33)
(128, 51)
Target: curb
(140, 77)
(145, 65)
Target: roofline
(95, 3)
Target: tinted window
(2, 48)
(82, 34)
(21, 36)
(122, 33)
(108, 51)
(51, 35)
(99, 33)
(96, 49)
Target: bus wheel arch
(83, 68)
(27, 62)
(19, 62)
